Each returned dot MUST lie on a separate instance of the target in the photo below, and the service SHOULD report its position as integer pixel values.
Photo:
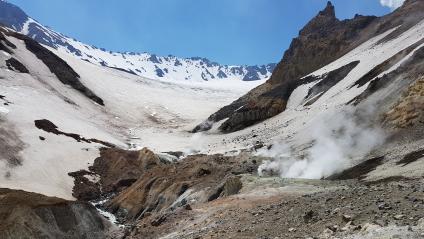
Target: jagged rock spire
(326, 17)
(329, 11)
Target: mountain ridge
(142, 64)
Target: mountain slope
(142, 64)
(321, 41)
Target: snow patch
(3, 110)
(109, 216)
(25, 28)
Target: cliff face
(323, 40)
(30, 215)
(408, 111)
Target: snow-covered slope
(142, 64)
(35, 159)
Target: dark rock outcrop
(30, 215)
(57, 66)
(328, 81)
(16, 65)
(85, 188)
(359, 171)
(411, 157)
(60, 68)
(50, 127)
(386, 65)
(124, 70)
(229, 187)
(411, 70)
(6, 45)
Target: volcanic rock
(30, 215)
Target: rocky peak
(326, 17)
(322, 40)
(328, 11)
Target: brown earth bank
(115, 170)
(141, 182)
(31, 215)
(198, 178)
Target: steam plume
(335, 140)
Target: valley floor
(279, 208)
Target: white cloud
(393, 4)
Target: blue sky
(226, 31)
